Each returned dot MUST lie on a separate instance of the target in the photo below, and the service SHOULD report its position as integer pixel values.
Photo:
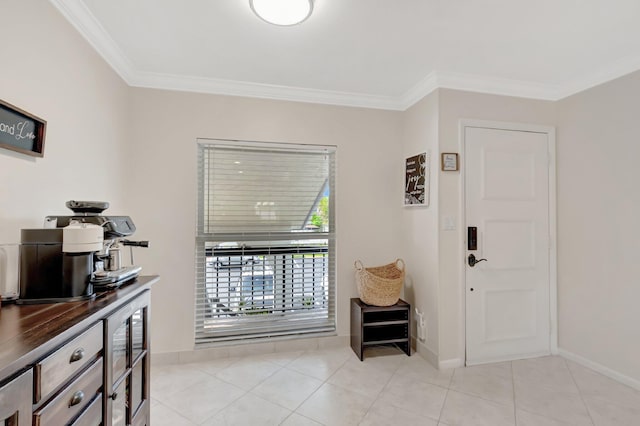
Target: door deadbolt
(472, 260)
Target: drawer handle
(77, 355)
(76, 398)
(114, 396)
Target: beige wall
(136, 148)
(162, 187)
(419, 247)
(48, 69)
(454, 106)
(598, 237)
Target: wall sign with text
(416, 182)
(449, 162)
(21, 131)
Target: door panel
(507, 176)
(508, 244)
(519, 305)
(507, 198)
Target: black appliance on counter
(65, 262)
(48, 273)
(91, 212)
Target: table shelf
(380, 325)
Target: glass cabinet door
(119, 405)
(127, 348)
(137, 386)
(138, 326)
(119, 352)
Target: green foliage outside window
(321, 216)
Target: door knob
(472, 260)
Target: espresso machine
(74, 256)
(109, 270)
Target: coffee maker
(72, 257)
(109, 270)
(56, 265)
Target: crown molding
(79, 15)
(263, 91)
(481, 84)
(81, 18)
(423, 88)
(610, 72)
(497, 86)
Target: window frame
(205, 239)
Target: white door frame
(553, 284)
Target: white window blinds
(265, 243)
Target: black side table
(380, 325)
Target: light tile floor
(332, 387)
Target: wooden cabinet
(15, 401)
(380, 325)
(79, 363)
(127, 373)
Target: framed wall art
(449, 162)
(416, 182)
(21, 131)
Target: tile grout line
(446, 395)
(324, 382)
(225, 407)
(174, 411)
(579, 390)
(298, 414)
(393, 368)
(295, 410)
(395, 372)
(470, 394)
(233, 384)
(380, 392)
(334, 373)
(309, 375)
(245, 392)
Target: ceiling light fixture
(282, 12)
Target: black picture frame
(21, 131)
(416, 181)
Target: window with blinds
(265, 243)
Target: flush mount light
(282, 12)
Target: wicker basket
(380, 285)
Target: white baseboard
(450, 363)
(248, 348)
(606, 371)
(426, 353)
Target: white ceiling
(373, 53)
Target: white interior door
(507, 200)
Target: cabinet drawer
(92, 415)
(72, 399)
(64, 363)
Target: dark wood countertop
(30, 332)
